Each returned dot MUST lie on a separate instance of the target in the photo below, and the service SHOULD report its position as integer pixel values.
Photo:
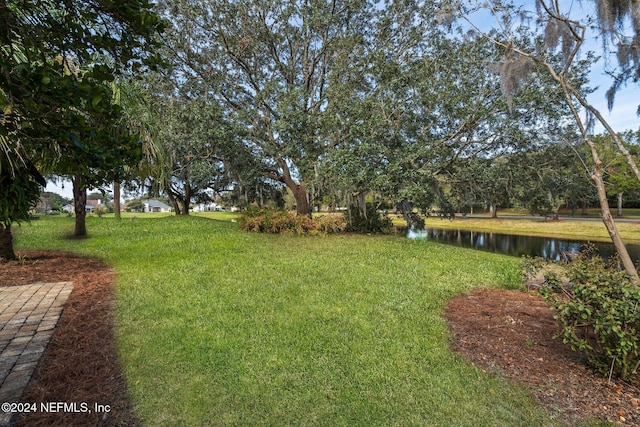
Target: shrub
(283, 222)
(598, 313)
(100, 210)
(372, 222)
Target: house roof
(156, 204)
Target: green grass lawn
(218, 327)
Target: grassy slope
(220, 327)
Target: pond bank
(550, 248)
(581, 229)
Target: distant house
(90, 206)
(207, 207)
(156, 206)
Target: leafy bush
(372, 222)
(283, 222)
(598, 313)
(100, 210)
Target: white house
(90, 206)
(68, 208)
(207, 207)
(156, 206)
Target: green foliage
(57, 59)
(284, 222)
(100, 210)
(281, 81)
(196, 142)
(51, 202)
(597, 313)
(371, 222)
(44, 45)
(134, 205)
(19, 193)
(539, 204)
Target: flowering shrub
(283, 222)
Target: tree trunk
(299, 190)
(80, 206)
(360, 200)
(493, 209)
(608, 221)
(413, 220)
(596, 175)
(116, 200)
(570, 93)
(176, 207)
(6, 243)
(607, 218)
(174, 202)
(619, 196)
(186, 200)
(302, 201)
(185, 206)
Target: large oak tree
(286, 68)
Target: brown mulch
(80, 364)
(510, 333)
(504, 332)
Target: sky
(622, 117)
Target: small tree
(46, 104)
(553, 44)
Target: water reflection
(510, 244)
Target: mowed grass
(592, 230)
(219, 327)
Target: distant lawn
(591, 212)
(569, 229)
(222, 216)
(218, 327)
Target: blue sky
(623, 116)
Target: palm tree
(135, 101)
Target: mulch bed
(80, 364)
(504, 332)
(510, 333)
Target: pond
(515, 245)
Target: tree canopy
(56, 58)
(43, 46)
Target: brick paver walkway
(28, 316)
